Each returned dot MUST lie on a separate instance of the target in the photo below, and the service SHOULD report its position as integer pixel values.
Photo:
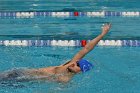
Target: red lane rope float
(83, 43)
(76, 14)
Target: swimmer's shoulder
(50, 69)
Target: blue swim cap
(85, 65)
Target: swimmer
(62, 73)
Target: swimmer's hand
(106, 28)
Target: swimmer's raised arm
(89, 46)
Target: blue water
(71, 27)
(116, 69)
(80, 28)
(61, 5)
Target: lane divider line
(69, 14)
(78, 43)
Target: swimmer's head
(84, 65)
(81, 65)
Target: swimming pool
(118, 73)
(33, 35)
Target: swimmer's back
(49, 73)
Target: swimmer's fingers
(109, 24)
(106, 25)
(106, 28)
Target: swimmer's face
(75, 68)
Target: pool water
(59, 28)
(116, 69)
(69, 27)
(65, 5)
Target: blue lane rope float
(78, 43)
(68, 14)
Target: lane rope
(68, 14)
(78, 43)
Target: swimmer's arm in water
(91, 44)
